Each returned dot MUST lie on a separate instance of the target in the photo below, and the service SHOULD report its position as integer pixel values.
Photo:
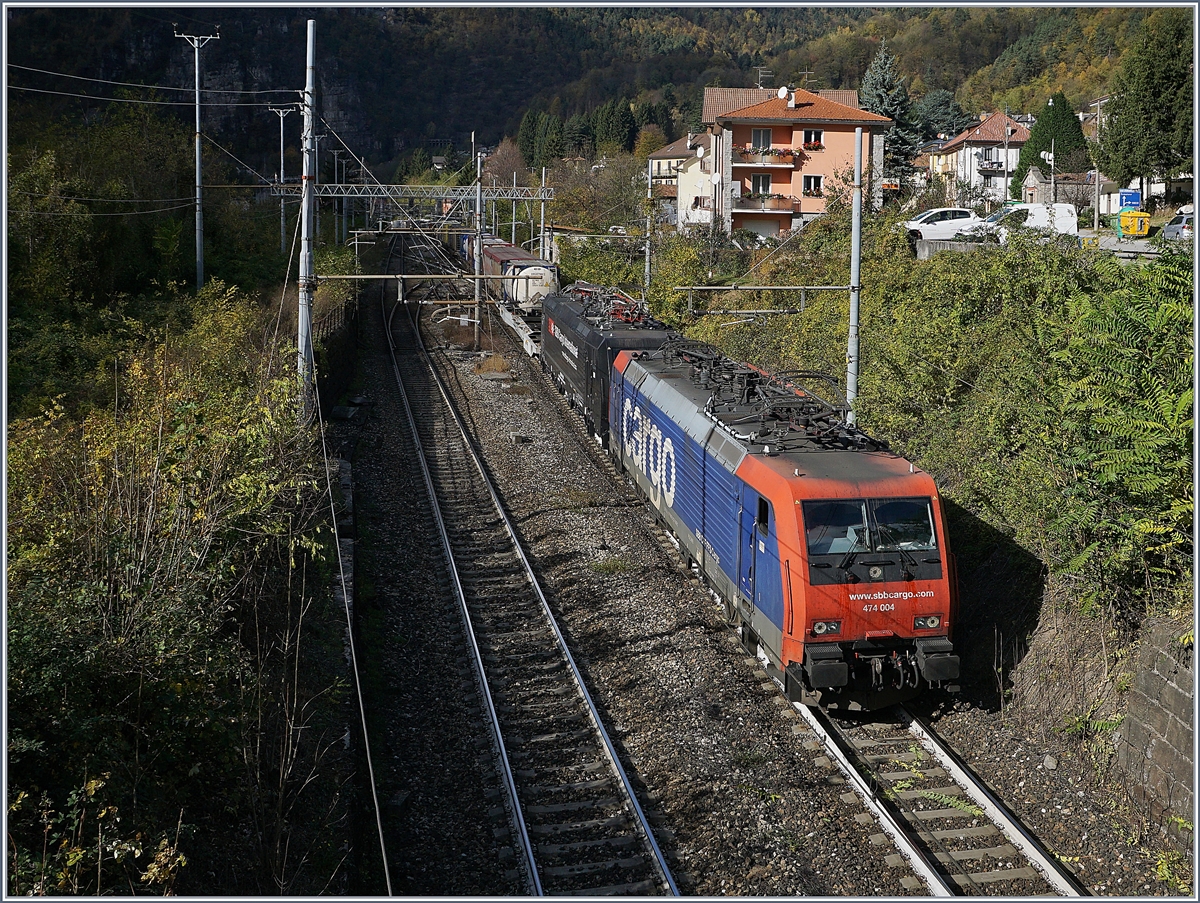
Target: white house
(982, 157)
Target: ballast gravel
(739, 803)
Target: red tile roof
(990, 132)
(840, 95)
(719, 101)
(809, 107)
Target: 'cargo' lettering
(651, 451)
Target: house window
(814, 186)
(814, 139)
(760, 184)
(989, 154)
(760, 138)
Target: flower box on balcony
(764, 156)
(814, 146)
(814, 194)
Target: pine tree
(1057, 130)
(578, 135)
(527, 137)
(1148, 123)
(882, 91)
(938, 113)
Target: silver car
(940, 223)
(1179, 229)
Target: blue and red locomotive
(828, 551)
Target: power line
(63, 197)
(160, 103)
(12, 212)
(104, 81)
(246, 165)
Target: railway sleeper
(579, 767)
(920, 815)
(1023, 874)
(950, 790)
(614, 843)
(551, 789)
(587, 868)
(580, 734)
(577, 806)
(640, 888)
(548, 721)
(592, 824)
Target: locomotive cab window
(869, 525)
(903, 524)
(764, 511)
(835, 526)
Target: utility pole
(337, 202)
(479, 250)
(308, 279)
(198, 41)
(542, 228)
(649, 225)
(282, 216)
(855, 271)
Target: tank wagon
(828, 551)
(500, 258)
(583, 329)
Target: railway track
(575, 823)
(959, 839)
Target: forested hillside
(391, 79)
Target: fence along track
(956, 836)
(576, 823)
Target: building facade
(775, 161)
(979, 161)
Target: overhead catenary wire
(105, 81)
(248, 167)
(157, 103)
(12, 212)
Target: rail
(516, 791)
(887, 767)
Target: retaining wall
(1154, 743)
(926, 249)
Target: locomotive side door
(754, 513)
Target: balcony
(771, 203)
(991, 166)
(756, 156)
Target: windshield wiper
(908, 559)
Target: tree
(1147, 126)
(883, 92)
(505, 163)
(650, 138)
(578, 136)
(527, 137)
(1056, 130)
(938, 113)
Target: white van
(1060, 219)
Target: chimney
(791, 100)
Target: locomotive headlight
(927, 622)
(820, 628)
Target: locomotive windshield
(869, 525)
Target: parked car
(940, 224)
(1179, 229)
(1059, 219)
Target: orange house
(780, 156)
